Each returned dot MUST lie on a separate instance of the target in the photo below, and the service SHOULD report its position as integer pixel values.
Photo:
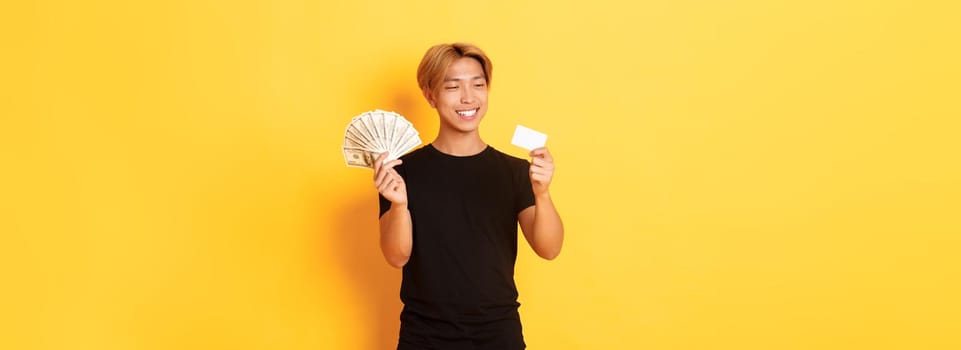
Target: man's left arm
(540, 222)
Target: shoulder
(415, 155)
(418, 160)
(510, 160)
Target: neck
(459, 144)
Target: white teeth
(469, 113)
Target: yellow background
(732, 174)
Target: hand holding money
(372, 134)
(388, 182)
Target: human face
(461, 100)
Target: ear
(430, 97)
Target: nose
(466, 96)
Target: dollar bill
(373, 133)
(367, 126)
(377, 118)
(360, 158)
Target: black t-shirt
(460, 274)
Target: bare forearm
(396, 237)
(548, 228)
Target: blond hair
(430, 73)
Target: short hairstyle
(430, 73)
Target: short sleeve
(384, 204)
(523, 192)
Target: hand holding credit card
(528, 138)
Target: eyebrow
(458, 79)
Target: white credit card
(528, 139)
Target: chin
(464, 128)
(460, 124)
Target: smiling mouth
(467, 113)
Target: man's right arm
(396, 236)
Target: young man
(449, 215)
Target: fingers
(391, 182)
(542, 157)
(540, 178)
(386, 184)
(542, 166)
(377, 163)
(540, 182)
(381, 172)
(542, 163)
(385, 181)
(541, 172)
(543, 153)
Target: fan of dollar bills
(372, 133)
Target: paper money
(360, 158)
(372, 133)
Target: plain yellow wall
(733, 174)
